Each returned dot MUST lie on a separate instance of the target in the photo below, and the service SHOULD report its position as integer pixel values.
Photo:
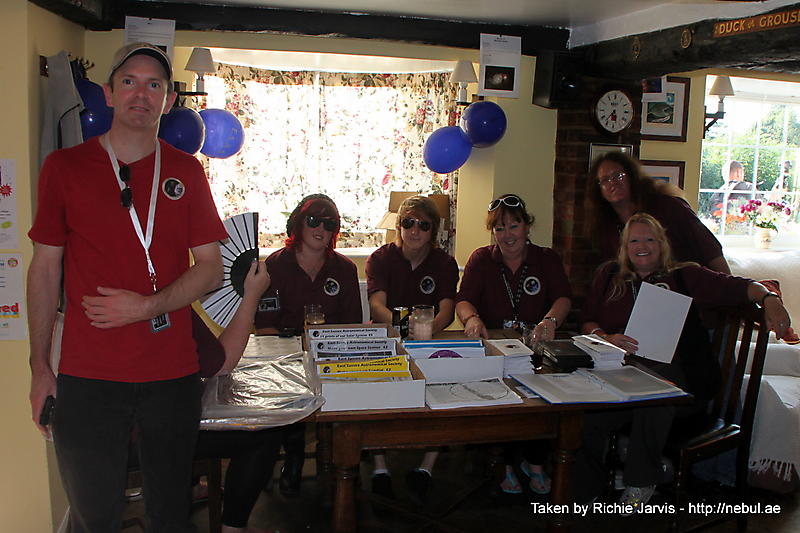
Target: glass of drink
(531, 339)
(314, 314)
(421, 324)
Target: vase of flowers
(767, 218)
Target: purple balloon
(446, 149)
(484, 123)
(224, 133)
(96, 116)
(183, 128)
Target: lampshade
(722, 87)
(201, 61)
(463, 72)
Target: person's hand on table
(629, 344)
(475, 327)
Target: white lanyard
(147, 237)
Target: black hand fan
(238, 253)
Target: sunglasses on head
(126, 195)
(408, 223)
(312, 221)
(511, 200)
(616, 177)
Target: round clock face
(614, 111)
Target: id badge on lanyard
(161, 322)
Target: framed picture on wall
(666, 119)
(669, 171)
(598, 149)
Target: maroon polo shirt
(482, 284)
(335, 288)
(431, 282)
(690, 239)
(707, 288)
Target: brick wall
(576, 132)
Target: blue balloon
(224, 133)
(183, 128)
(446, 149)
(484, 123)
(96, 116)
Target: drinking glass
(531, 338)
(314, 315)
(421, 324)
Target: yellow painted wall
(27, 32)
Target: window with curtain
(354, 137)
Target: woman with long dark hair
(617, 188)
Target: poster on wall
(13, 325)
(500, 60)
(160, 32)
(9, 235)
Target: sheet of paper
(500, 60)
(160, 32)
(656, 321)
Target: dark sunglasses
(511, 200)
(408, 223)
(126, 195)
(313, 221)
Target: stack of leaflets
(603, 353)
(516, 356)
(624, 384)
(357, 354)
(445, 348)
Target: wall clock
(613, 111)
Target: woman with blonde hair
(645, 256)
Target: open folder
(624, 384)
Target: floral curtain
(354, 137)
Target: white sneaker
(634, 498)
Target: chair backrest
(734, 324)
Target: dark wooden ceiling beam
(661, 52)
(455, 33)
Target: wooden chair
(729, 425)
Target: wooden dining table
(344, 434)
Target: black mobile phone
(47, 411)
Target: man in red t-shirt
(117, 217)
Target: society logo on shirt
(532, 285)
(173, 188)
(427, 285)
(663, 285)
(331, 287)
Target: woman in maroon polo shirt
(411, 271)
(509, 283)
(617, 188)
(645, 256)
(307, 270)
